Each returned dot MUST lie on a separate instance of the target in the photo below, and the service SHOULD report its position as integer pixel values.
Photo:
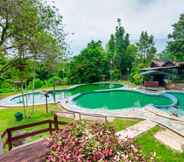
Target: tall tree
(28, 27)
(122, 42)
(111, 47)
(146, 47)
(116, 49)
(176, 40)
(130, 56)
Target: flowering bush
(82, 142)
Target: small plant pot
(18, 116)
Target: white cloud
(96, 19)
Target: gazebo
(154, 78)
(158, 72)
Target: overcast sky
(96, 19)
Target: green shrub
(116, 74)
(6, 86)
(37, 83)
(55, 79)
(135, 76)
(6, 90)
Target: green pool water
(119, 99)
(92, 87)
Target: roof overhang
(159, 68)
(154, 72)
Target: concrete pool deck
(176, 124)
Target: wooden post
(46, 104)
(56, 122)
(80, 116)
(106, 119)
(1, 145)
(50, 127)
(54, 89)
(46, 101)
(9, 139)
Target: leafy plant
(53, 80)
(90, 65)
(38, 83)
(135, 76)
(84, 142)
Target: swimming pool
(111, 96)
(122, 99)
(38, 98)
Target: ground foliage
(82, 142)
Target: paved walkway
(137, 129)
(174, 125)
(170, 139)
(166, 136)
(155, 115)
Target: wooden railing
(8, 138)
(52, 125)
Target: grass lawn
(7, 119)
(3, 95)
(148, 144)
(120, 124)
(7, 116)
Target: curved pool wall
(179, 108)
(123, 99)
(38, 97)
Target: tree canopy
(90, 65)
(176, 40)
(116, 49)
(31, 34)
(30, 28)
(146, 47)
